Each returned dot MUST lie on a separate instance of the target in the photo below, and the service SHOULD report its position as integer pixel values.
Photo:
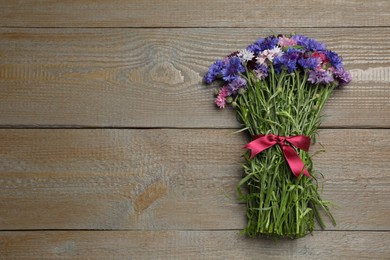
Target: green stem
(278, 204)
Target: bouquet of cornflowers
(278, 87)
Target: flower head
(343, 76)
(321, 56)
(286, 42)
(303, 56)
(254, 48)
(301, 40)
(293, 54)
(213, 72)
(232, 68)
(234, 86)
(285, 62)
(268, 55)
(334, 59)
(320, 76)
(309, 63)
(220, 101)
(314, 45)
(308, 43)
(268, 43)
(245, 55)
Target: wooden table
(111, 146)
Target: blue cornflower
(334, 59)
(213, 71)
(268, 43)
(309, 44)
(309, 63)
(291, 65)
(263, 44)
(284, 62)
(313, 45)
(232, 68)
(278, 64)
(301, 40)
(293, 54)
(254, 48)
(259, 41)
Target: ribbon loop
(263, 142)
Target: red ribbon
(263, 142)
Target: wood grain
(190, 245)
(153, 77)
(170, 193)
(202, 13)
(170, 179)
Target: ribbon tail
(294, 161)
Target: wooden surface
(140, 179)
(200, 13)
(111, 147)
(219, 244)
(153, 77)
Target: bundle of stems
(278, 203)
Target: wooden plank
(190, 245)
(202, 13)
(170, 179)
(153, 77)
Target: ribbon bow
(263, 142)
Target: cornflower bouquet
(278, 87)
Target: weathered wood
(201, 13)
(170, 179)
(170, 194)
(153, 77)
(190, 245)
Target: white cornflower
(275, 52)
(268, 55)
(245, 55)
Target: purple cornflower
(232, 68)
(213, 72)
(334, 59)
(320, 77)
(234, 86)
(343, 76)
